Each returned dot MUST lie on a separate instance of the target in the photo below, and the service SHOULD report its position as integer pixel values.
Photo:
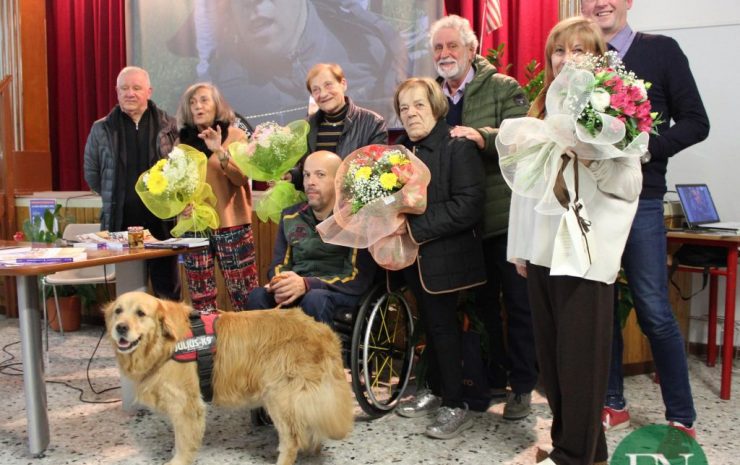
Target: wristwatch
(645, 157)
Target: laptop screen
(697, 204)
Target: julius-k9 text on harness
(200, 346)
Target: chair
(90, 275)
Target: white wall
(709, 34)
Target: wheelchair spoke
(381, 352)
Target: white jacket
(611, 211)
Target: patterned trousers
(234, 249)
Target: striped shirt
(330, 130)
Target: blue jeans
(317, 303)
(644, 262)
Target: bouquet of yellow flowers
(267, 156)
(175, 182)
(375, 187)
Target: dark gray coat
(102, 154)
(450, 252)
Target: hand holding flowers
(175, 182)
(375, 187)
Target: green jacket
(489, 99)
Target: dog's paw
(176, 461)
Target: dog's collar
(200, 345)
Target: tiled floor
(84, 433)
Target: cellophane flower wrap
(595, 109)
(376, 186)
(175, 182)
(271, 151)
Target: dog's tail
(327, 406)
(335, 389)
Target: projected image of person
(259, 51)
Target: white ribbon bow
(529, 148)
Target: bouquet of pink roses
(595, 109)
(619, 94)
(375, 187)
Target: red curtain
(86, 43)
(526, 24)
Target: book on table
(33, 255)
(178, 243)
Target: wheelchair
(378, 348)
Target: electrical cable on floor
(7, 365)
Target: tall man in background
(479, 99)
(120, 147)
(659, 60)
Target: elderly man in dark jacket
(480, 98)
(120, 147)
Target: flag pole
(482, 26)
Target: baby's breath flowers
(176, 182)
(376, 187)
(376, 174)
(618, 93)
(267, 156)
(176, 175)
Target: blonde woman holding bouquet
(208, 124)
(566, 235)
(450, 256)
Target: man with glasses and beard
(480, 98)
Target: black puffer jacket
(361, 127)
(450, 253)
(102, 154)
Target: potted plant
(71, 301)
(46, 227)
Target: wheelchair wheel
(382, 351)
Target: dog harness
(199, 346)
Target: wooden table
(730, 242)
(130, 276)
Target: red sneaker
(614, 419)
(679, 426)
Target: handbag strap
(560, 189)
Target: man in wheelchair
(305, 271)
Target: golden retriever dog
(280, 359)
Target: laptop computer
(699, 210)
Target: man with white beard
(479, 99)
